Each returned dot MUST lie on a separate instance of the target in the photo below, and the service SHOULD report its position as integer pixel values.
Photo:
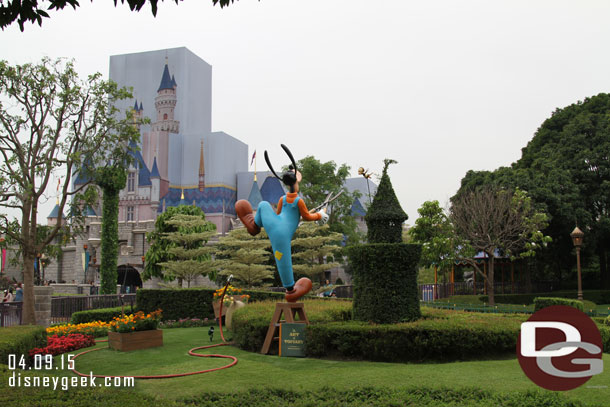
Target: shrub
(364, 396)
(56, 345)
(385, 282)
(440, 336)
(186, 323)
(191, 302)
(19, 340)
(102, 314)
(596, 296)
(543, 302)
(385, 216)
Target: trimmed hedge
(190, 302)
(385, 282)
(19, 340)
(409, 342)
(367, 396)
(102, 314)
(440, 336)
(596, 296)
(359, 396)
(543, 302)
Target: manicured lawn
(255, 371)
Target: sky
(442, 87)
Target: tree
(312, 244)
(191, 256)
(51, 124)
(565, 169)
(245, 256)
(434, 231)
(320, 179)
(23, 11)
(496, 221)
(159, 250)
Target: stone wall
(43, 305)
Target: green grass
(255, 371)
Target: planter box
(135, 340)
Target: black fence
(62, 308)
(10, 313)
(431, 292)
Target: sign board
(292, 339)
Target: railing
(10, 313)
(62, 308)
(431, 292)
(344, 291)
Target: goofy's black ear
(269, 165)
(294, 163)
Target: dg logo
(560, 348)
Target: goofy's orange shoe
(301, 287)
(245, 214)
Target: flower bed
(95, 329)
(56, 345)
(136, 322)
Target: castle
(179, 161)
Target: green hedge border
(428, 340)
(102, 314)
(19, 340)
(189, 302)
(596, 296)
(543, 302)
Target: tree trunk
(28, 311)
(490, 280)
(603, 269)
(528, 276)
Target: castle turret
(155, 180)
(201, 170)
(55, 216)
(165, 104)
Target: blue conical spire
(55, 212)
(155, 171)
(166, 79)
(141, 108)
(135, 106)
(255, 196)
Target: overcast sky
(440, 86)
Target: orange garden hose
(191, 352)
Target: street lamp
(577, 236)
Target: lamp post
(577, 236)
(85, 262)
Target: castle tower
(165, 104)
(201, 170)
(155, 181)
